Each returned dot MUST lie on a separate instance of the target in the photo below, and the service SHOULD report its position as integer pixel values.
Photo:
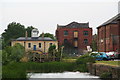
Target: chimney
(42, 35)
(26, 34)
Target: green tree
(48, 35)
(52, 51)
(13, 31)
(29, 29)
(94, 43)
(12, 54)
(18, 52)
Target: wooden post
(40, 58)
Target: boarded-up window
(75, 34)
(76, 43)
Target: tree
(48, 35)
(13, 31)
(29, 29)
(52, 51)
(18, 52)
(94, 43)
(12, 54)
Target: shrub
(85, 59)
(82, 62)
(106, 75)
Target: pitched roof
(111, 21)
(33, 39)
(75, 25)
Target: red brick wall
(105, 33)
(60, 36)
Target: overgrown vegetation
(20, 69)
(82, 62)
(106, 75)
(12, 54)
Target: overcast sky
(46, 14)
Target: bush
(84, 59)
(12, 54)
(14, 71)
(106, 75)
(82, 62)
(19, 70)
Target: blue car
(100, 56)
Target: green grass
(19, 70)
(0, 63)
(113, 63)
(69, 60)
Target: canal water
(33, 76)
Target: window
(75, 34)
(75, 43)
(65, 40)
(29, 45)
(85, 41)
(65, 33)
(50, 44)
(85, 33)
(39, 45)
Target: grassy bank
(113, 63)
(19, 70)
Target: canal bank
(104, 70)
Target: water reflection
(61, 75)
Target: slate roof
(33, 39)
(75, 25)
(111, 21)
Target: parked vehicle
(100, 56)
(117, 55)
(111, 55)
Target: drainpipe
(119, 34)
(98, 40)
(105, 39)
(44, 46)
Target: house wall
(70, 37)
(108, 39)
(44, 48)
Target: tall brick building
(109, 35)
(75, 37)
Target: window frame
(29, 45)
(40, 45)
(85, 41)
(85, 33)
(50, 44)
(66, 33)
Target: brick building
(108, 35)
(75, 37)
